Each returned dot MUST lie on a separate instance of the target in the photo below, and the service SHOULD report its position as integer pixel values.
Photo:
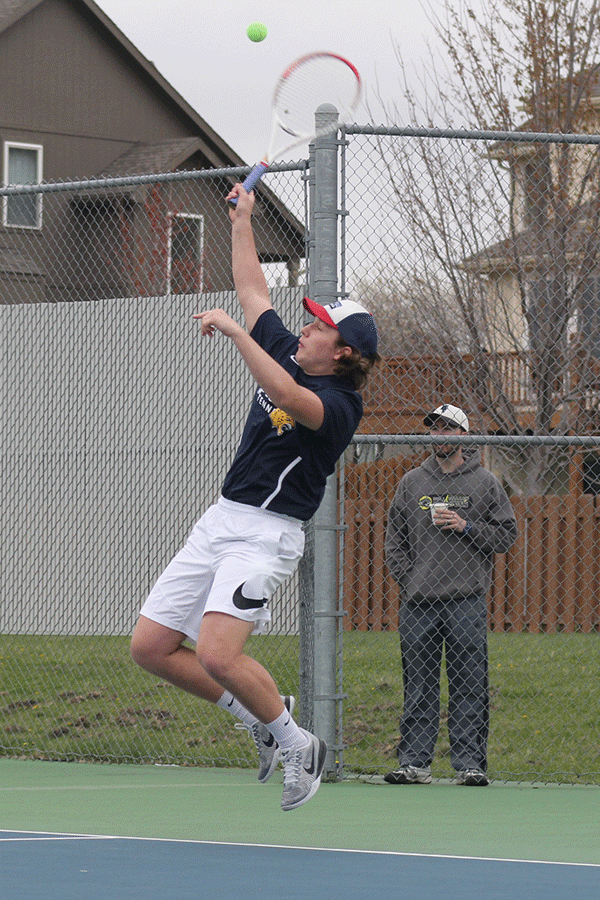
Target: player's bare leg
(220, 650)
(161, 651)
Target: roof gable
(215, 148)
(132, 121)
(13, 10)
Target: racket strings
(310, 83)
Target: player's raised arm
(301, 404)
(248, 276)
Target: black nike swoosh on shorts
(241, 602)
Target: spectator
(448, 518)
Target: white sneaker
(268, 748)
(302, 768)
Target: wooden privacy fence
(548, 582)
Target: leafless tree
(495, 243)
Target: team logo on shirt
(426, 501)
(281, 420)
(454, 501)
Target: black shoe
(409, 775)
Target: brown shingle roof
(578, 238)
(15, 262)
(151, 159)
(216, 151)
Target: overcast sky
(201, 48)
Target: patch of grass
(82, 698)
(545, 706)
(78, 698)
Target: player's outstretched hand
(217, 320)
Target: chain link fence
(119, 424)
(477, 255)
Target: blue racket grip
(252, 179)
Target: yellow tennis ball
(256, 32)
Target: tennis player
(216, 590)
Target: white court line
(116, 837)
(43, 838)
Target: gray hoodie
(431, 564)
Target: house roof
(151, 159)
(577, 239)
(585, 87)
(166, 156)
(217, 151)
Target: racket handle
(252, 179)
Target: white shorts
(232, 562)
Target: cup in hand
(437, 507)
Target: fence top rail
(133, 180)
(395, 131)
(539, 137)
(504, 440)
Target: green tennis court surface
(151, 831)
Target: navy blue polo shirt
(281, 465)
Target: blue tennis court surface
(66, 867)
(72, 831)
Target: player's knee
(216, 663)
(143, 654)
(211, 662)
(138, 652)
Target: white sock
(228, 702)
(285, 731)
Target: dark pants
(460, 626)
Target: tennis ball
(256, 32)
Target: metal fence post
(324, 289)
(306, 569)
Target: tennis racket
(308, 82)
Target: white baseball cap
(354, 323)
(452, 415)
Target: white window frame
(8, 145)
(200, 248)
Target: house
(79, 101)
(543, 279)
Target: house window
(22, 165)
(186, 238)
(590, 473)
(589, 316)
